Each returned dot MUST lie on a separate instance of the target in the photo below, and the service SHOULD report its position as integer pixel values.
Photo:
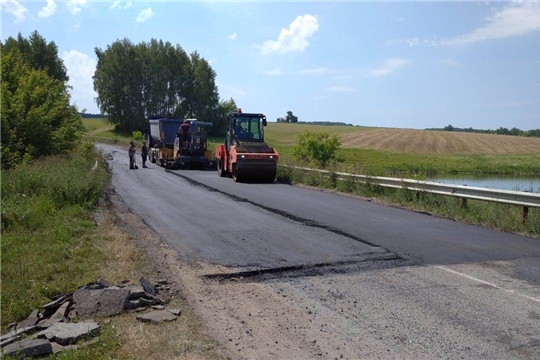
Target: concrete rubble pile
(69, 321)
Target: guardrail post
(463, 203)
(525, 214)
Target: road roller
(244, 156)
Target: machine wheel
(220, 170)
(234, 174)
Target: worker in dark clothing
(184, 128)
(131, 153)
(144, 154)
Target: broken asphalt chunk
(176, 312)
(53, 305)
(30, 320)
(147, 287)
(69, 333)
(157, 317)
(136, 292)
(16, 334)
(28, 348)
(104, 302)
(58, 316)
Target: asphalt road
(461, 291)
(429, 239)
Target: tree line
(500, 131)
(37, 117)
(136, 81)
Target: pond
(520, 183)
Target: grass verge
(491, 215)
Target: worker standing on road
(144, 154)
(131, 153)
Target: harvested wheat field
(440, 142)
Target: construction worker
(185, 136)
(131, 153)
(144, 154)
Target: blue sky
(390, 64)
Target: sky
(388, 64)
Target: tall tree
(39, 54)
(134, 82)
(37, 118)
(291, 118)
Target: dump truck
(244, 155)
(167, 148)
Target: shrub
(137, 136)
(316, 147)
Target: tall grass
(46, 229)
(491, 215)
(388, 163)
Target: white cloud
(276, 71)
(80, 69)
(516, 19)
(448, 62)
(75, 6)
(411, 42)
(15, 8)
(342, 77)
(232, 36)
(75, 27)
(341, 89)
(144, 15)
(389, 67)
(319, 70)
(295, 38)
(212, 61)
(114, 5)
(48, 10)
(320, 97)
(232, 89)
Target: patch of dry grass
(441, 142)
(180, 339)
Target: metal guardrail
(511, 197)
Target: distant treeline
(91, 116)
(500, 131)
(325, 123)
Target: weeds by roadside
(47, 225)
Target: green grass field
(95, 124)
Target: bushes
(37, 118)
(316, 147)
